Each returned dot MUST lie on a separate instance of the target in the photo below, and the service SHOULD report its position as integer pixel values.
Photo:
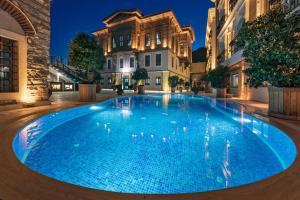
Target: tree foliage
(85, 53)
(173, 81)
(271, 47)
(218, 77)
(140, 74)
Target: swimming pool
(155, 144)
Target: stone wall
(38, 11)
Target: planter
(173, 89)
(87, 92)
(284, 103)
(220, 92)
(141, 89)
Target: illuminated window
(147, 60)
(158, 38)
(114, 42)
(121, 40)
(8, 65)
(147, 40)
(235, 80)
(158, 59)
(129, 40)
(121, 63)
(132, 62)
(147, 81)
(109, 81)
(158, 80)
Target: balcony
(232, 4)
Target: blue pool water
(155, 144)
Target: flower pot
(173, 89)
(141, 89)
(220, 92)
(87, 92)
(98, 88)
(284, 103)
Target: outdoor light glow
(95, 107)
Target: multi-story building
(155, 42)
(229, 17)
(211, 40)
(24, 50)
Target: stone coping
(19, 182)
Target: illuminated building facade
(155, 42)
(24, 50)
(224, 22)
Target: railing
(232, 4)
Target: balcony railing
(232, 4)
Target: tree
(218, 77)
(271, 47)
(173, 82)
(140, 74)
(86, 54)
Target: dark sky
(69, 17)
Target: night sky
(69, 17)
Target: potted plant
(271, 48)
(181, 82)
(173, 82)
(87, 55)
(195, 89)
(140, 75)
(219, 78)
(120, 91)
(97, 79)
(187, 85)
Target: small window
(108, 63)
(129, 40)
(172, 61)
(109, 81)
(121, 40)
(147, 81)
(132, 62)
(158, 59)
(121, 63)
(147, 60)
(158, 38)
(235, 80)
(158, 80)
(147, 40)
(177, 63)
(114, 42)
